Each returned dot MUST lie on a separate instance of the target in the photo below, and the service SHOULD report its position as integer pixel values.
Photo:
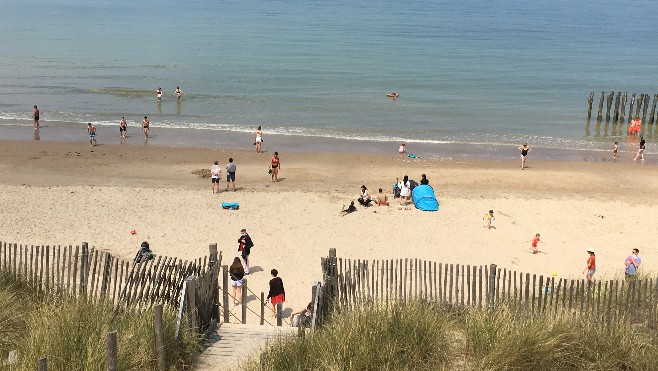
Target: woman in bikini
(275, 164)
(524, 149)
(145, 127)
(258, 139)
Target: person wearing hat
(591, 266)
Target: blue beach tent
(424, 199)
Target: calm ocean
(487, 72)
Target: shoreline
(234, 140)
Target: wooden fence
(86, 272)
(615, 106)
(354, 282)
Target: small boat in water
(392, 95)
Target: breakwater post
(623, 107)
(608, 105)
(599, 116)
(653, 109)
(615, 117)
(589, 105)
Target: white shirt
(215, 171)
(405, 189)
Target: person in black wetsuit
(524, 149)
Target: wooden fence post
(492, 286)
(215, 285)
(279, 318)
(225, 292)
(262, 308)
(191, 304)
(83, 268)
(42, 365)
(244, 300)
(159, 337)
(112, 354)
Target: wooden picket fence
(349, 283)
(87, 272)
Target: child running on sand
(614, 151)
(535, 241)
(489, 217)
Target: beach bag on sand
(230, 206)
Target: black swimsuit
(524, 152)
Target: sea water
(483, 73)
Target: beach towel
(230, 206)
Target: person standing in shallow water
(123, 126)
(640, 150)
(145, 127)
(258, 139)
(524, 150)
(35, 116)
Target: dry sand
(65, 193)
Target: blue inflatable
(424, 199)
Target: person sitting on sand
(303, 317)
(382, 198)
(365, 197)
(423, 180)
(403, 149)
(349, 210)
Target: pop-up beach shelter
(424, 199)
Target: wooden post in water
(623, 107)
(639, 105)
(630, 108)
(159, 337)
(589, 105)
(615, 117)
(112, 354)
(644, 110)
(600, 114)
(653, 109)
(608, 105)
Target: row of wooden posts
(189, 287)
(112, 351)
(617, 112)
(349, 283)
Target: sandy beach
(65, 193)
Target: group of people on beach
(631, 265)
(404, 188)
(240, 268)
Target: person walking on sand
(277, 293)
(178, 93)
(405, 191)
(237, 274)
(35, 117)
(591, 266)
(488, 218)
(632, 263)
(215, 173)
(258, 139)
(640, 150)
(230, 174)
(244, 247)
(91, 130)
(123, 127)
(524, 149)
(145, 127)
(159, 94)
(275, 165)
(535, 242)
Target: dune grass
(416, 335)
(72, 333)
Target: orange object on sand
(132, 231)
